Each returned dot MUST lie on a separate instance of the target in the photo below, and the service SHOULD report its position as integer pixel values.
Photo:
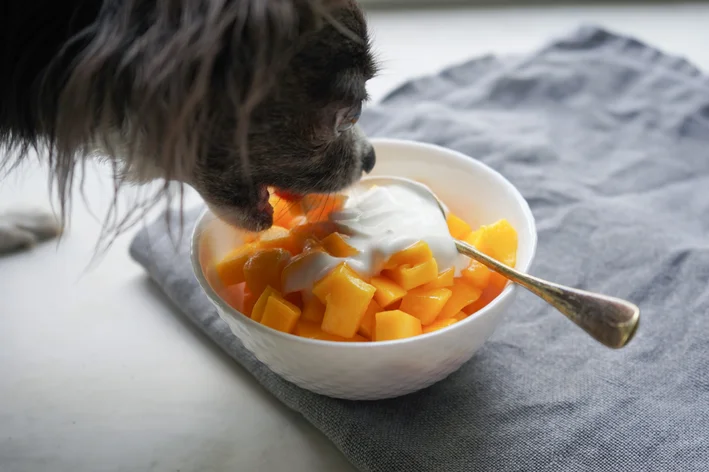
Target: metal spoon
(609, 320)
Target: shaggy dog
(226, 96)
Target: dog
(229, 97)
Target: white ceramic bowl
(368, 371)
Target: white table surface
(99, 373)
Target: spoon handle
(609, 320)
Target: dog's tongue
(288, 196)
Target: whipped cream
(381, 221)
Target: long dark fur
(224, 95)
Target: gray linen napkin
(608, 139)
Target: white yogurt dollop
(381, 221)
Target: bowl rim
(506, 293)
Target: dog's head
(303, 134)
(228, 96)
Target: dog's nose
(369, 160)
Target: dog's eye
(348, 117)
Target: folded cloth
(608, 140)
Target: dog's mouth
(263, 204)
(265, 192)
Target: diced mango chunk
(388, 292)
(277, 237)
(336, 246)
(280, 314)
(458, 228)
(411, 277)
(444, 279)
(440, 324)
(500, 238)
(313, 310)
(315, 231)
(346, 299)
(476, 274)
(463, 295)
(264, 268)
(460, 316)
(231, 268)
(311, 330)
(497, 240)
(476, 239)
(395, 324)
(366, 326)
(322, 286)
(260, 304)
(415, 254)
(488, 295)
(425, 304)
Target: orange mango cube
(260, 304)
(277, 237)
(408, 277)
(444, 279)
(477, 240)
(415, 254)
(425, 304)
(346, 300)
(322, 286)
(388, 292)
(476, 274)
(497, 240)
(336, 246)
(395, 324)
(458, 228)
(313, 310)
(315, 231)
(500, 238)
(366, 326)
(440, 324)
(488, 294)
(460, 316)
(231, 268)
(311, 330)
(280, 314)
(463, 295)
(264, 268)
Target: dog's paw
(23, 229)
